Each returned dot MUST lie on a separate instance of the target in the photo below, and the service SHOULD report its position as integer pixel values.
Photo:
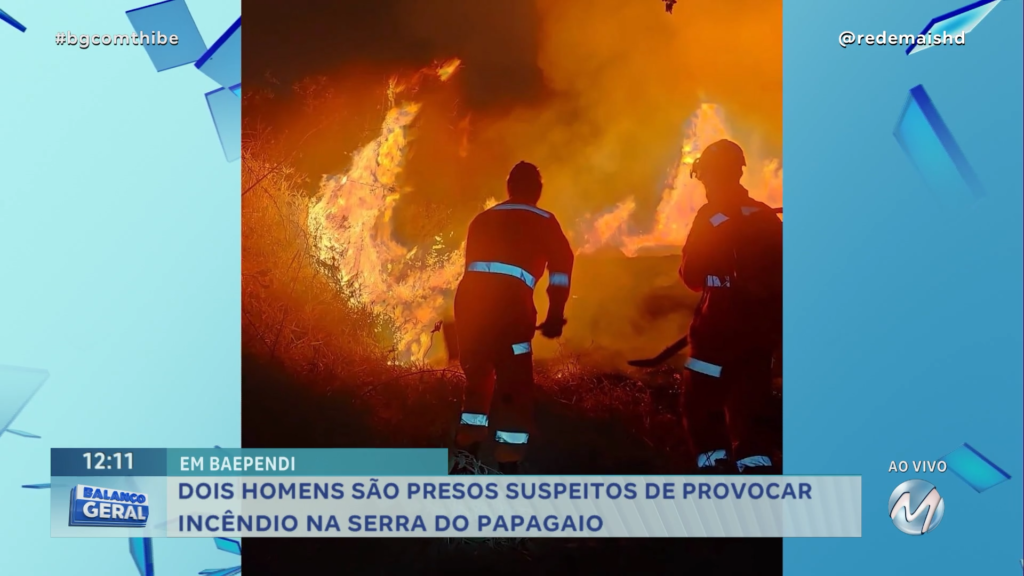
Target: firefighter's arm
(560, 261)
(698, 253)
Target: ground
(624, 427)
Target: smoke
(598, 96)
(621, 81)
(302, 38)
(625, 76)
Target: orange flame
(351, 223)
(682, 196)
(445, 70)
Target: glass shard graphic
(974, 468)
(950, 24)
(156, 23)
(929, 144)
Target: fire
(682, 196)
(354, 238)
(445, 70)
(351, 220)
(442, 70)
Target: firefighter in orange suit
(733, 257)
(508, 248)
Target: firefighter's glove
(552, 327)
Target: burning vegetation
(353, 232)
(336, 300)
(346, 277)
(352, 225)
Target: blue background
(119, 228)
(120, 252)
(903, 315)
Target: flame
(351, 222)
(445, 69)
(442, 70)
(682, 196)
(353, 231)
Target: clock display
(103, 461)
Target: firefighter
(508, 248)
(733, 257)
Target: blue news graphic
(94, 506)
(176, 493)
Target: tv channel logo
(94, 506)
(916, 507)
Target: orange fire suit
(733, 256)
(508, 249)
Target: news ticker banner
(201, 493)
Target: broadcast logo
(916, 507)
(93, 506)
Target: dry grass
(322, 367)
(294, 312)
